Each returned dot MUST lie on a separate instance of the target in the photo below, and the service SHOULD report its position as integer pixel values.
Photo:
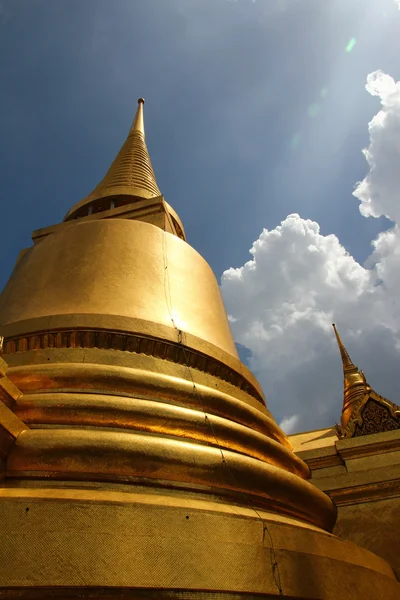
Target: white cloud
(379, 191)
(282, 302)
(289, 425)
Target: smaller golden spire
(347, 363)
(354, 382)
(362, 406)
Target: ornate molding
(126, 342)
(323, 462)
(377, 417)
(365, 493)
(372, 414)
(385, 442)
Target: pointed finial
(138, 122)
(347, 362)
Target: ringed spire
(364, 411)
(354, 383)
(129, 178)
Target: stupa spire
(130, 176)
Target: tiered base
(105, 541)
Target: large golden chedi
(138, 458)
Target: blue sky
(254, 110)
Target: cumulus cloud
(282, 302)
(379, 191)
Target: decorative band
(89, 592)
(138, 344)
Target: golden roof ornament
(364, 411)
(130, 176)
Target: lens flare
(314, 110)
(295, 141)
(351, 45)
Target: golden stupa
(138, 458)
